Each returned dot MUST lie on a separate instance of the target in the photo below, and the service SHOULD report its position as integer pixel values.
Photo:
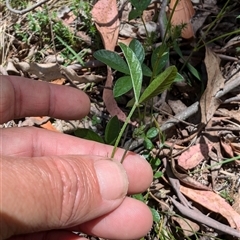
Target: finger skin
(57, 192)
(49, 235)
(39, 142)
(121, 221)
(21, 97)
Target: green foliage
(112, 59)
(139, 7)
(156, 215)
(134, 55)
(139, 197)
(18, 4)
(70, 53)
(110, 135)
(138, 49)
(83, 9)
(135, 70)
(161, 83)
(112, 130)
(38, 21)
(225, 194)
(88, 134)
(122, 86)
(22, 35)
(96, 120)
(159, 58)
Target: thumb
(58, 192)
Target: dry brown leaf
(236, 205)
(194, 155)
(105, 15)
(43, 122)
(183, 13)
(48, 125)
(234, 114)
(59, 81)
(208, 102)
(215, 203)
(188, 227)
(125, 41)
(227, 148)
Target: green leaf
(158, 174)
(148, 143)
(88, 134)
(146, 70)
(161, 83)
(112, 130)
(140, 4)
(76, 55)
(112, 60)
(138, 49)
(134, 68)
(152, 132)
(179, 78)
(134, 14)
(122, 86)
(159, 58)
(192, 69)
(130, 103)
(139, 197)
(156, 215)
(156, 163)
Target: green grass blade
(71, 50)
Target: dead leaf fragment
(105, 15)
(194, 155)
(183, 13)
(208, 102)
(215, 203)
(188, 227)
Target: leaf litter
(200, 137)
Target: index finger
(22, 97)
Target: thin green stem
(145, 27)
(123, 129)
(217, 164)
(201, 39)
(219, 37)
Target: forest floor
(190, 133)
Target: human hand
(52, 183)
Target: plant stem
(123, 129)
(217, 164)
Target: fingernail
(112, 178)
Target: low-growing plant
(134, 69)
(83, 9)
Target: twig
(229, 86)
(232, 99)
(175, 184)
(233, 83)
(223, 129)
(191, 110)
(201, 218)
(21, 12)
(161, 16)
